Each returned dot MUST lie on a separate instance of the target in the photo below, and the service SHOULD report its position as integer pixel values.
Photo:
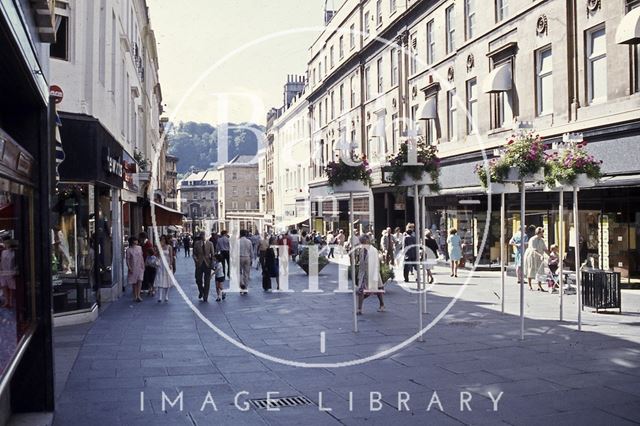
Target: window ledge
(497, 131)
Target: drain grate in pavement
(288, 401)
(465, 323)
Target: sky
(242, 37)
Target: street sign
(56, 93)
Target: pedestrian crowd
(271, 253)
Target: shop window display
(16, 258)
(73, 252)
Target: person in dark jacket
(271, 267)
(431, 253)
(410, 253)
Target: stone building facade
(461, 75)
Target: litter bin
(601, 290)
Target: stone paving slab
(135, 352)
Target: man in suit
(203, 253)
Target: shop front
(609, 224)
(87, 236)
(26, 174)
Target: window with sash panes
(378, 12)
(333, 95)
(414, 114)
(544, 81)
(365, 141)
(431, 43)
(472, 105)
(367, 83)
(352, 36)
(635, 52)
(394, 133)
(450, 27)
(380, 76)
(393, 59)
(452, 111)
(502, 10)
(413, 52)
(469, 18)
(341, 47)
(352, 87)
(367, 24)
(597, 65)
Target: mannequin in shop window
(102, 232)
(8, 272)
(61, 246)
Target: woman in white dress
(369, 281)
(534, 257)
(163, 278)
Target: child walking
(218, 272)
(151, 265)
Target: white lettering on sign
(114, 166)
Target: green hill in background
(196, 144)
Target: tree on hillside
(196, 144)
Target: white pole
(577, 255)
(416, 203)
(502, 249)
(353, 264)
(522, 235)
(561, 251)
(423, 206)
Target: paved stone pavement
(134, 352)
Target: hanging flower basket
(523, 159)
(515, 175)
(492, 172)
(349, 178)
(572, 167)
(423, 169)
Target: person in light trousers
(245, 248)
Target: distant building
(171, 181)
(198, 200)
(239, 201)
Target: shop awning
(293, 221)
(164, 216)
(462, 191)
(628, 31)
(428, 110)
(499, 80)
(619, 181)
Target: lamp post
(558, 147)
(521, 127)
(575, 138)
(503, 267)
